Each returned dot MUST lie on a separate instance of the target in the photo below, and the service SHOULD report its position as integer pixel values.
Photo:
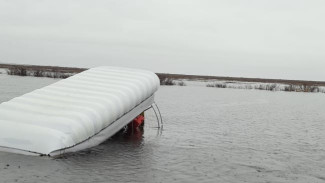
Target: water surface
(209, 135)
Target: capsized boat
(76, 113)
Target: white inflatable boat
(75, 113)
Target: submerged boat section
(75, 113)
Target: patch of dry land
(179, 79)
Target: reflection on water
(129, 135)
(209, 135)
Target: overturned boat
(75, 113)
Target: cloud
(257, 38)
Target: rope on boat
(154, 110)
(159, 118)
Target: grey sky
(250, 38)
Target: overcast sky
(248, 38)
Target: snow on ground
(246, 85)
(3, 71)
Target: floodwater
(209, 135)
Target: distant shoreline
(73, 70)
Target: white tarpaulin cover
(75, 113)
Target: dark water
(210, 135)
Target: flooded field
(209, 135)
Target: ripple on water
(210, 135)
